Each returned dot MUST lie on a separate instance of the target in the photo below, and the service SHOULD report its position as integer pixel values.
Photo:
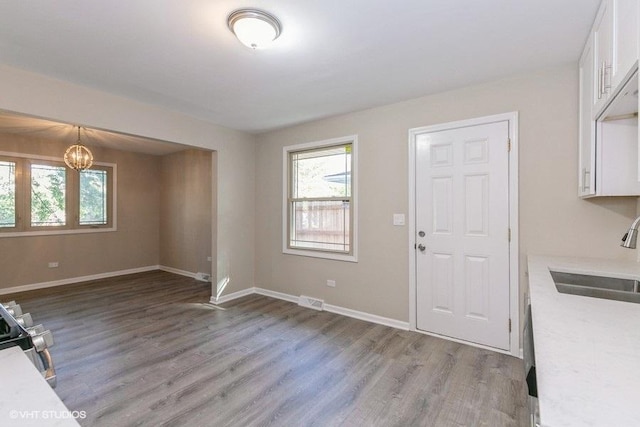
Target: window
(48, 195)
(7, 194)
(93, 197)
(42, 196)
(319, 199)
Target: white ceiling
(334, 56)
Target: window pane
(321, 173)
(93, 197)
(48, 188)
(7, 194)
(320, 225)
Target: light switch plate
(398, 219)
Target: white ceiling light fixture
(254, 28)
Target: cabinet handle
(586, 185)
(606, 71)
(600, 82)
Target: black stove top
(12, 333)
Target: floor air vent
(314, 303)
(203, 277)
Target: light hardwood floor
(147, 349)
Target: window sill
(324, 255)
(56, 232)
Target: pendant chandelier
(78, 157)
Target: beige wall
(185, 210)
(135, 244)
(552, 219)
(233, 234)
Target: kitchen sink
(597, 287)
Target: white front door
(462, 227)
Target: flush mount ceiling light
(78, 156)
(254, 28)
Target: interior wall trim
(232, 296)
(367, 317)
(278, 295)
(360, 315)
(177, 271)
(71, 280)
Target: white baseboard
(223, 299)
(367, 317)
(178, 271)
(202, 277)
(278, 295)
(360, 315)
(232, 296)
(71, 280)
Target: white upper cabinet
(625, 40)
(608, 146)
(617, 145)
(615, 42)
(603, 54)
(587, 147)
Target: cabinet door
(603, 52)
(625, 40)
(587, 143)
(617, 153)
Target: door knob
(422, 247)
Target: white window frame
(83, 229)
(353, 256)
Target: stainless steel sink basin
(597, 287)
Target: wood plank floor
(147, 349)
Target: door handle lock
(422, 247)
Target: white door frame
(514, 275)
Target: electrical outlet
(209, 258)
(53, 264)
(331, 283)
(398, 219)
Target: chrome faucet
(630, 237)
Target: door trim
(514, 270)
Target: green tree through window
(7, 194)
(48, 190)
(93, 197)
(42, 195)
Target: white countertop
(26, 399)
(587, 349)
